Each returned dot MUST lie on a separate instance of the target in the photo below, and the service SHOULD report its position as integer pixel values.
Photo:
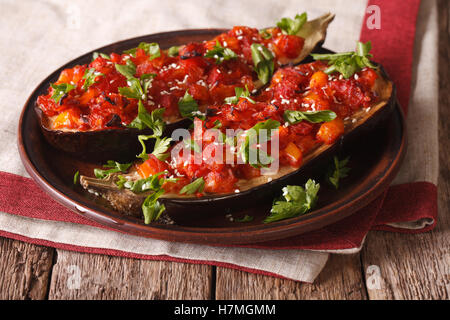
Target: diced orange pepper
(318, 80)
(88, 95)
(294, 154)
(65, 119)
(330, 131)
(65, 76)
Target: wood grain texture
(90, 276)
(24, 270)
(400, 266)
(340, 279)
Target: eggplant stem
(106, 183)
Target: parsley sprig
(188, 107)
(194, 187)
(348, 63)
(114, 168)
(152, 49)
(338, 171)
(240, 93)
(137, 88)
(89, 77)
(294, 116)
(60, 90)
(220, 53)
(252, 137)
(295, 200)
(292, 26)
(263, 62)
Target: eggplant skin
(120, 144)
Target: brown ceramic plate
(374, 161)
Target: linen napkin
(50, 33)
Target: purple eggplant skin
(120, 144)
(179, 208)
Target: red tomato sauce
(304, 88)
(101, 106)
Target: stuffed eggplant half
(251, 146)
(93, 110)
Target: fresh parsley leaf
(152, 208)
(347, 63)
(292, 26)
(60, 90)
(89, 75)
(295, 201)
(240, 93)
(76, 177)
(245, 218)
(263, 62)
(197, 186)
(153, 121)
(217, 124)
(115, 167)
(161, 146)
(152, 49)
(173, 51)
(220, 53)
(128, 70)
(293, 116)
(251, 136)
(95, 55)
(188, 107)
(338, 171)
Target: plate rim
(227, 235)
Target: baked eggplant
(114, 139)
(263, 188)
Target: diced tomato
(289, 46)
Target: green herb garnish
(251, 136)
(292, 26)
(152, 49)
(293, 116)
(347, 63)
(153, 121)
(89, 76)
(95, 55)
(295, 201)
(76, 177)
(152, 208)
(161, 146)
(197, 186)
(173, 51)
(245, 218)
(60, 90)
(115, 167)
(188, 107)
(338, 171)
(240, 93)
(263, 62)
(128, 70)
(220, 53)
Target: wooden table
(390, 266)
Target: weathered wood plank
(24, 270)
(90, 276)
(340, 279)
(402, 266)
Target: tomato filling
(100, 105)
(303, 88)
